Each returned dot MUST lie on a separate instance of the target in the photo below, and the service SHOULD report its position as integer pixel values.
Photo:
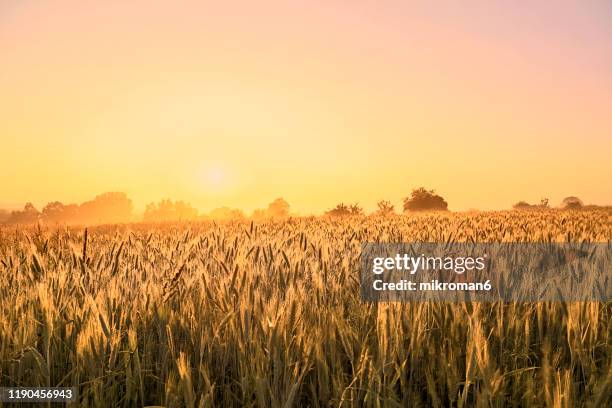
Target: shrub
(424, 200)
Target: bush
(385, 208)
(341, 210)
(424, 200)
(571, 203)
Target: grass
(269, 315)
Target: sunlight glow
(320, 104)
(215, 177)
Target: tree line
(568, 203)
(116, 207)
(107, 208)
(421, 199)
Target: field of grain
(270, 315)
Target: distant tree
(29, 215)
(105, 208)
(355, 209)
(424, 200)
(571, 203)
(108, 208)
(522, 205)
(278, 208)
(56, 212)
(4, 216)
(185, 210)
(385, 208)
(166, 210)
(341, 210)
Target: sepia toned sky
(318, 102)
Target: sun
(214, 177)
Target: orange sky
(318, 102)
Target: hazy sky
(319, 102)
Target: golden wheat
(269, 315)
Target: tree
(53, 211)
(341, 210)
(56, 212)
(571, 203)
(522, 205)
(113, 207)
(424, 200)
(385, 208)
(166, 210)
(29, 215)
(278, 208)
(355, 209)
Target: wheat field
(270, 315)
